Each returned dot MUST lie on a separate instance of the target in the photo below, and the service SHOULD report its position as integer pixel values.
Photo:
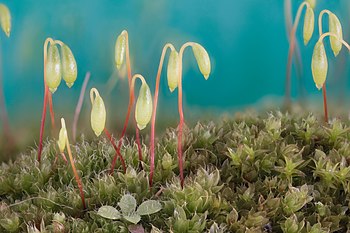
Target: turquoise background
(246, 41)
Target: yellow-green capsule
(98, 112)
(319, 65)
(173, 70)
(312, 3)
(53, 68)
(5, 19)
(69, 66)
(309, 22)
(202, 58)
(335, 28)
(62, 138)
(144, 106)
(120, 48)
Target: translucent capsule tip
(53, 90)
(69, 84)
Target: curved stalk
(79, 106)
(155, 102)
(320, 17)
(46, 95)
(181, 114)
(291, 52)
(131, 102)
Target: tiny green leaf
(149, 207)
(62, 138)
(132, 217)
(144, 107)
(69, 66)
(98, 112)
(309, 22)
(109, 212)
(127, 204)
(53, 68)
(120, 48)
(5, 19)
(173, 70)
(319, 64)
(202, 58)
(335, 28)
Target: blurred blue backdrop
(246, 41)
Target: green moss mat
(278, 173)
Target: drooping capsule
(319, 65)
(98, 112)
(144, 105)
(5, 19)
(309, 22)
(312, 3)
(202, 58)
(62, 137)
(335, 28)
(53, 68)
(120, 48)
(173, 70)
(69, 66)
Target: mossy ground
(279, 173)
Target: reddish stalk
(109, 136)
(80, 185)
(79, 105)
(131, 102)
(52, 114)
(154, 115)
(46, 99)
(324, 92)
(291, 52)
(181, 114)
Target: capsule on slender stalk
(53, 68)
(335, 28)
(69, 66)
(202, 58)
(173, 70)
(5, 19)
(98, 112)
(62, 137)
(120, 49)
(144, 106)
(319, 64)
(309, 24)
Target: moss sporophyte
(319, 63)
(308, 29)
(5, 21)
(174, 75)
(121, 51)
(56, 65)
(63, 142)
(98, 120)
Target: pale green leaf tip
(69, 84)
(53, 90)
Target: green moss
(279, 173)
